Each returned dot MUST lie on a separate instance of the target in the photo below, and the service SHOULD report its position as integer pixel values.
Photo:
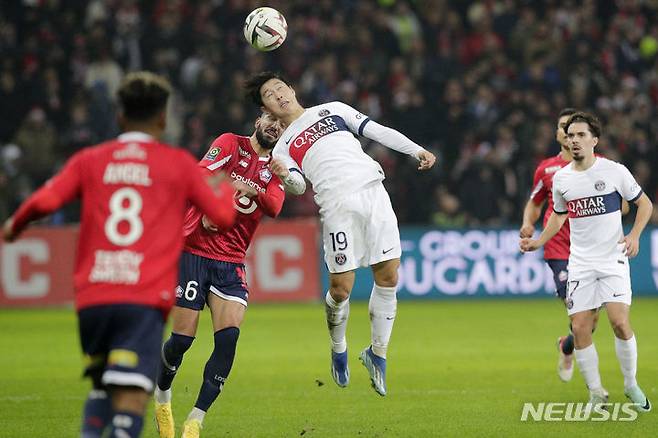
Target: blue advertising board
(486, 263)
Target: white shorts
(590, 289)
(360, 229)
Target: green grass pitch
(456, 368)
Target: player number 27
(125, 205)
(338, 240)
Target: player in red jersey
(212, 269)
(556, 250)
(133, 206)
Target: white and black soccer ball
(265, 29)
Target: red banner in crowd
(282, 265)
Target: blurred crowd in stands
(478, 82)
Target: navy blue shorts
(560, 271)
(199, 276)
(121, 343)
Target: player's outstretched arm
(632, 240)
(59, 190)
(553, 225)
(293, 181)
(531, 214)
(397, 141)
(213, 195)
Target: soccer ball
(265, 29)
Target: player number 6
(190, 290)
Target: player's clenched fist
(279, 168)
(426, 159)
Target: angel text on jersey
(594, 205)
(247, 181)
(127, 173)
(318, 130)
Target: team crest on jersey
(179, 291)
(599, 185)
(340, 259)
(212, 154)
(265, 175)
(323, 113)
(569, 303)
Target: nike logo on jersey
(388, 250)
(617, 295)
(289, 140)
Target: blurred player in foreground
(212, 269)
(589, 192)
(359, 226)
(134, 193)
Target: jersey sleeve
(559, 203)
(361, 125)
(216, 204)
(220, 153)
(281, 152)
(271, 201)
(628, 187)
(59, 190)
(539, 189)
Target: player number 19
(338, 240)
(128, 213)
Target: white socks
(197, 414)
(337, 314)
(162, 396)
(627, 355)
(382, 308)
(588, 363)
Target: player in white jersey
(359, 226)
(589, 192)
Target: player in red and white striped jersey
(212, 268)
(133, 205)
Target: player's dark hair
(143, 95)
(254, 83)
(567, 112)
(591, 120)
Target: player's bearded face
(268, 131)
(581, 141)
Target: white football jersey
(321, 145)
(592, 199)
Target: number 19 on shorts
(338, 241)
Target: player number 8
(130, 214)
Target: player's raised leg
(227, 316)
(185, 322)
(626, 349)
(337, 307)
(565, 344)
(382, 308)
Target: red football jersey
(558, 246)
(234, 155)
(134, 193)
